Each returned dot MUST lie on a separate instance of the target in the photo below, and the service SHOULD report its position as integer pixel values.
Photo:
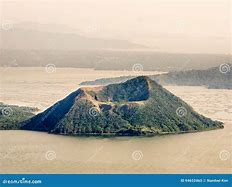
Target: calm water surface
(36, 152)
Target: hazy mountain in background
(48, 27)
(217, 77)
(56, 37)
(188, 26)
(139, 106)
(34, 44)
(111, 59)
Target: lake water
(36, 152)
(37, 88)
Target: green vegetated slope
(139, 106)
(11, 116)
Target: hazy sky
(199, 26)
